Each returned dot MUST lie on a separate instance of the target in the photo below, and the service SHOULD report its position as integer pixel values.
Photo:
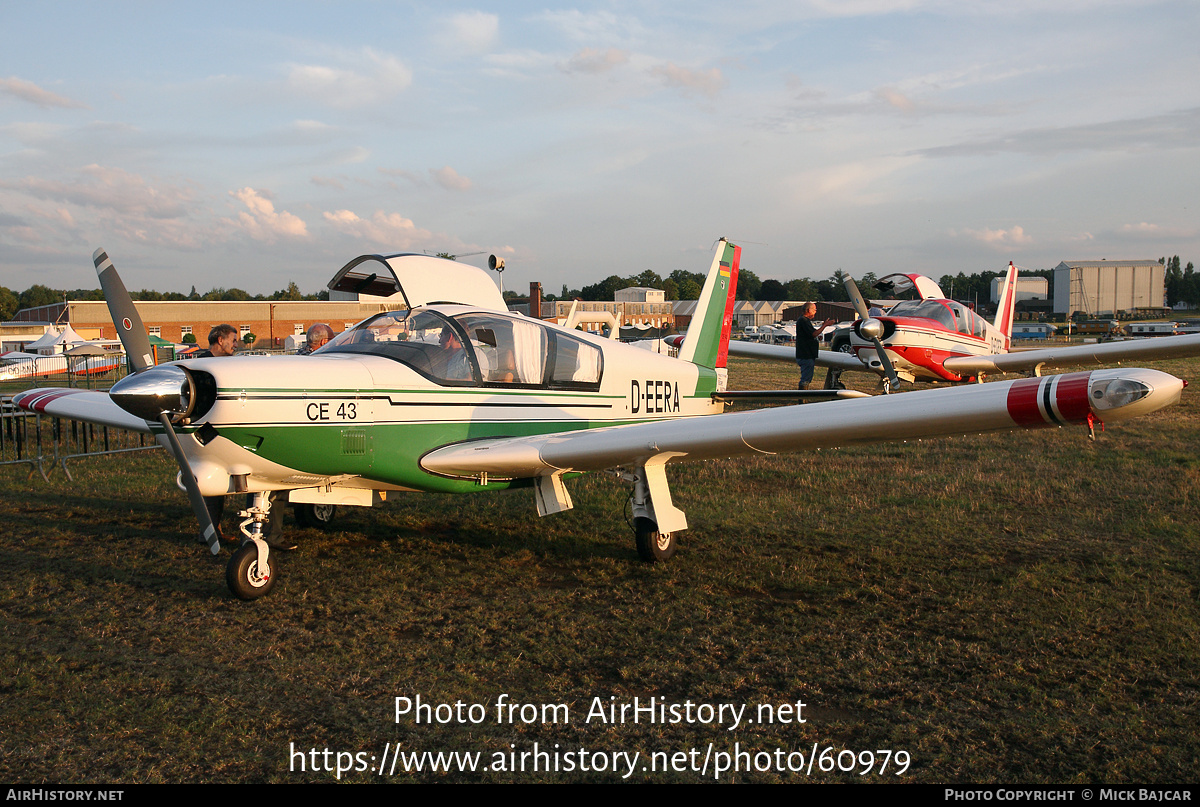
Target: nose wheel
(248, 576)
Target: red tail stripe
(730, 301)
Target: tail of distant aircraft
(707, 342)
(1008, 301)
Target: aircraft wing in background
(1146, 349)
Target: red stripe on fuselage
(1023, 403)
(1071, 397)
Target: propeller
(152, 393)
(872, 329)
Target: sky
(251, 144)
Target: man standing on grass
(808, 343)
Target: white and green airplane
(453, 393)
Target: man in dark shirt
(318, 336)
(808, 343)
(222, 341)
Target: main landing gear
(653, 546)
(656, 521)
(317, 516)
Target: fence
(44, 442)
(90, 372)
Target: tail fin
(1008, 301)
(707, 342)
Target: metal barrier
(88, 372)
(28, 438)
(19, 444)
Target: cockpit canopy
(476, 349)
(954, 315)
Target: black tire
(844, 347)
(241, 575)
(653, 546)
(316, 516)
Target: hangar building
(1108, 287)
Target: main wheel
(845, 347)
(314, 515)
(652, 545)
(243, 577)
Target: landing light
(1118, 392)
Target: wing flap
(78, 404)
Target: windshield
(476, 349)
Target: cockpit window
(427, 342)
(476, 350)
(929, 309)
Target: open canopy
(420, 280)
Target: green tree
(37, 295)
(747, 285)
(249, 339)
(292, 292)
(802, 290)
(772, 289)
(689, 290)
(9, 303)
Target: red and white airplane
(938, 339)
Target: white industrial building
(1108, 287)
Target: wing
(78, 404)
(1167, 347)
(826, 358)
(1108, 395)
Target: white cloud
(262, 223)
(1002, 239)
(28, 91)
(474, 31)
(592, 26)
(450, 179)
(896, 99)
(373, 79)
(1144, 229)
(387, 229)
(107, 188)
(591, 60)
(705, 82)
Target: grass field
(1004, 608)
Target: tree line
(38, 295)
(1183, 285)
